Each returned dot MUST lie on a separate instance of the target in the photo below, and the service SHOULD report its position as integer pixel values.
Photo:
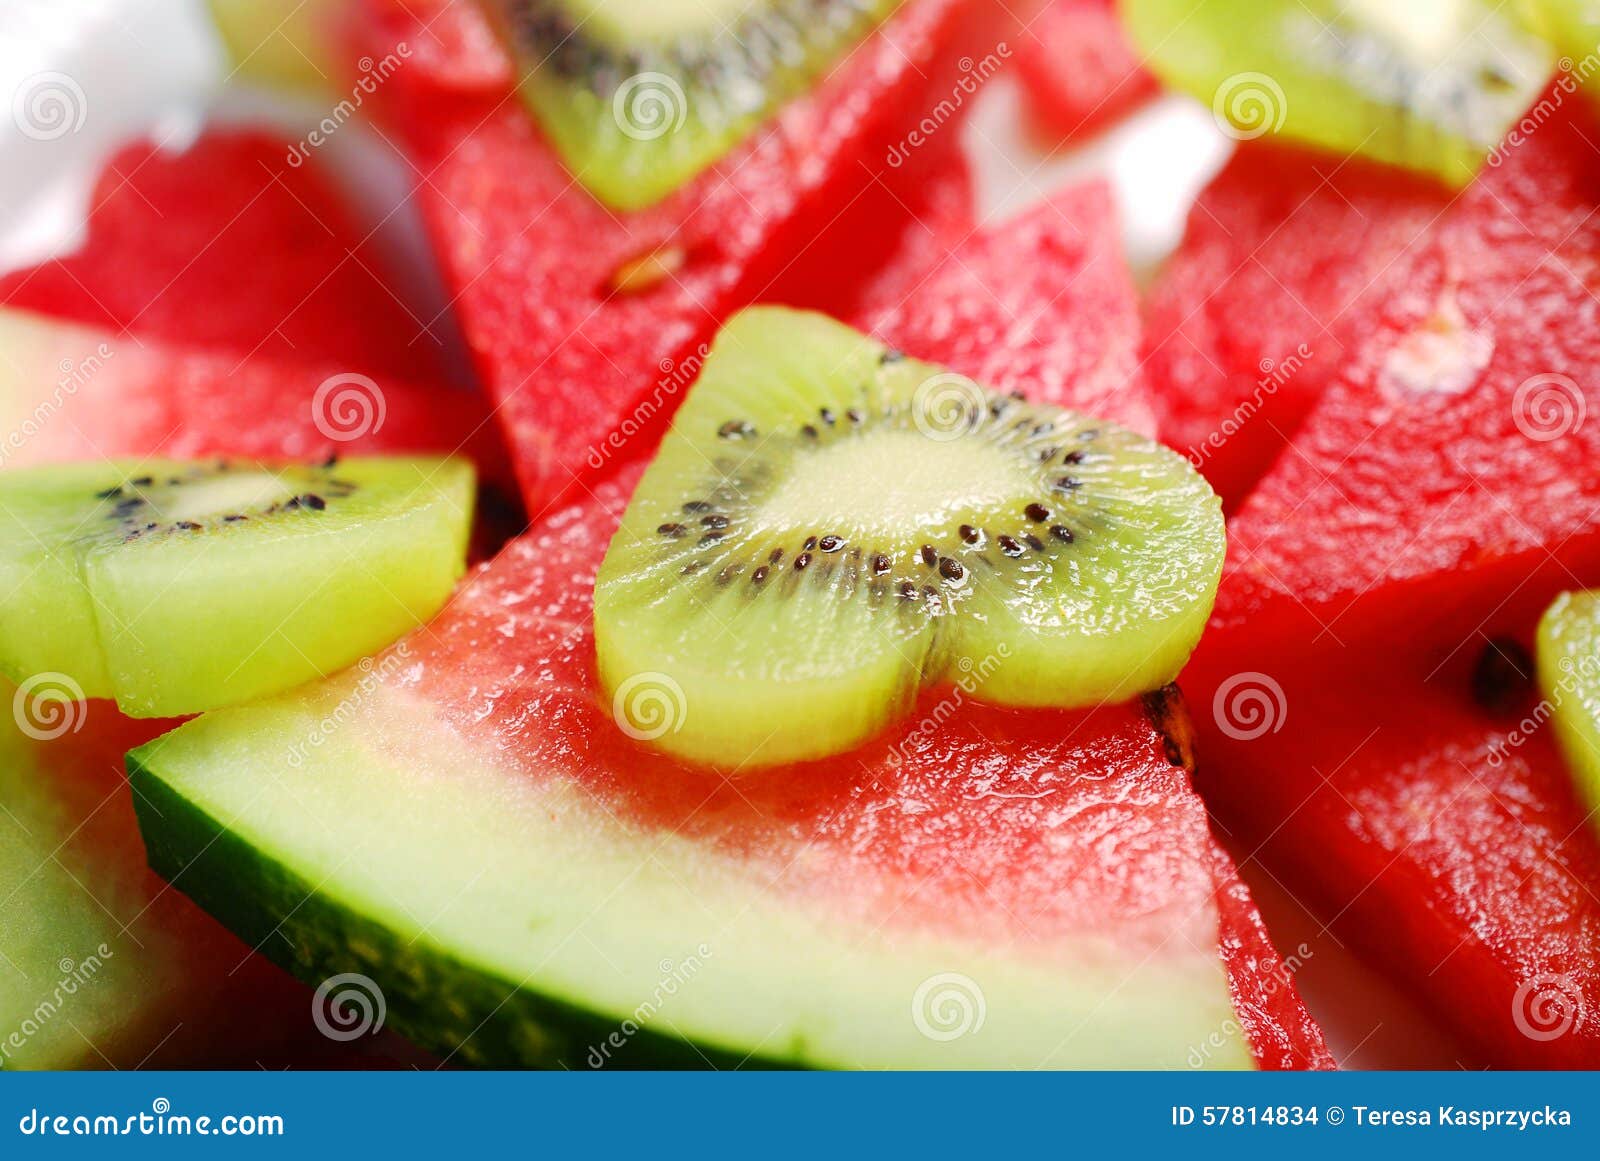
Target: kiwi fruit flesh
(639, 96)
(829, 527)
(177, 587)
(1425, 84)
(1567, 656)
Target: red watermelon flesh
(227, 244)
(905, 221)
(990, 833)
(1042, 303)
(573, 311)
(1442, 840)
(1451, 469)
(70, 392)
(1078, 68)
(1290, 257)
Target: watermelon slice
(1452, 466)
(1442, 491)
(1441, 839)
(228, 244)
(1290, 257)
(518, 874)
(1042, 303)
(574, 312)
(1078, 68)
(70, 392)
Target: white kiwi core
(889, 485)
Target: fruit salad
(676, 536)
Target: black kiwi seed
(109, 493)
(776, 555)
(951, 570)
(313, 501)
(1061, 532)
(736, 429)
(234, 519)
(1010, 547)
(880, 564)
(1072, 457)
(970, 534)
(854, 415)
(929, 556)
(831, 543)
(693, 567)
(1068, 484)
(809, 432)
(142, 481)
(826, 416)
(188, 526)
(760, 574)
(718, 522)
(811, 542)
(801, 561)
(709, 539)
(890, 356)
(726, 575)
(696, 506)
(672, 530)
(1047, 453)
(1038, 513)
(1033, 542)
(907, 590)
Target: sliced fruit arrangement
(1078, 68)
(639, 98)
(1451, 466)
(1430, 85)
(167, 585)
(1041, 303)
(101, 963)
(1440, 494)
(831, 525)
(170, 231)
(488, 838)
(1429, 817)
(579, 315)
(1569, 676)
(1290, 258)
(70, 392)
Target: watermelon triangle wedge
(577, 314)
(1439, 495)
(1079, 69)
(527, 883)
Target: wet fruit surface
(1079, 69)
(1008, 829)
(535, 260)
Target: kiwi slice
(639, 96)
(179, 587)
(1568, 660)
(1426, 84)
(830, 526)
